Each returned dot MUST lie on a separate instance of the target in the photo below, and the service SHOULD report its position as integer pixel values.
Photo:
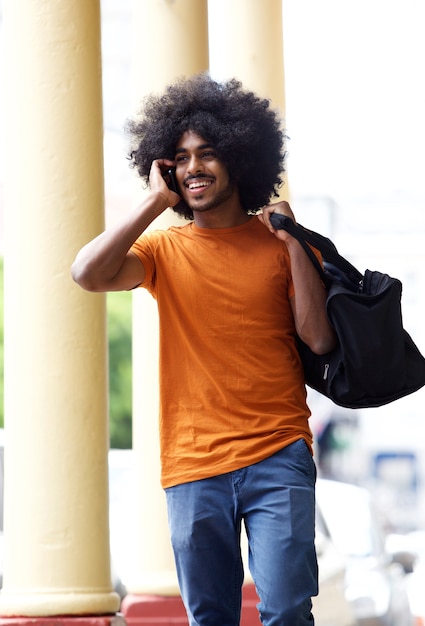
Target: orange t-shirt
(232, 389)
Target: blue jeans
(275, 498)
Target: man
(232, 295)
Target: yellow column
(248, 45)
(56, 496)
(170, 41)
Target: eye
(209, 154)
(181, 158)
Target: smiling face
(202, 177)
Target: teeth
(197, 185)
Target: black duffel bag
(376, 360)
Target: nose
(194, 165)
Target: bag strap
(325, 246)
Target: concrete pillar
(170, 41)
(56, 495)
(247, 43)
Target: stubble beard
(215, 202)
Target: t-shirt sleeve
(144, 248)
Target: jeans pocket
(305, 459)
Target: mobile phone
(172, 181)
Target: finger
(263, 217)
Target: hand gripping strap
(325, 246)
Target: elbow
(322, 347)
(82, 276)
(322, 344)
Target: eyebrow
(201, 147)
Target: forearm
(100, 264)
(309, 303)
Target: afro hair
(242, 127)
